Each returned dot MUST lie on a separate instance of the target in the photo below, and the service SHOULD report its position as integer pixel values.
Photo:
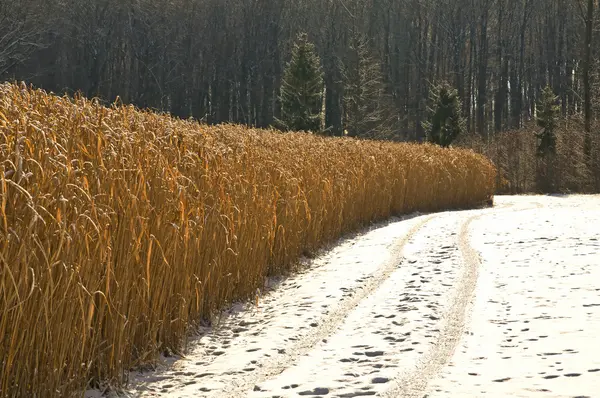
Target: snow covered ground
(493, 302)
(535, 318)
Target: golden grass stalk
(121, 228)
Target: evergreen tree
(547, 116)
(302, 89)
(446, 121)
(368, 111)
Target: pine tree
(302, 89)
(446, 121)
(367, 108)
(547, 116)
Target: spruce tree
(302, 89)
(368, 111)
(547, 116)
(446, 121)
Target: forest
(223, 60)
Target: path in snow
(411, 308)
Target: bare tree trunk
(482, 75)
(587, 61)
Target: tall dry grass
(120, 229)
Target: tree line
(225, 60)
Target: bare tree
(587, 64)
(23, 32)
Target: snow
(536, 314)
(491, 302)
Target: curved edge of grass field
(120, 229)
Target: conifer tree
(302, 89)
(368, 111)
(446, 121)
(547, 116)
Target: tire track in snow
(389, 330)
(328, 326)
(414, 383)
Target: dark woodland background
(223, 61)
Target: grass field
(120, 229)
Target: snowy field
(495, 302)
